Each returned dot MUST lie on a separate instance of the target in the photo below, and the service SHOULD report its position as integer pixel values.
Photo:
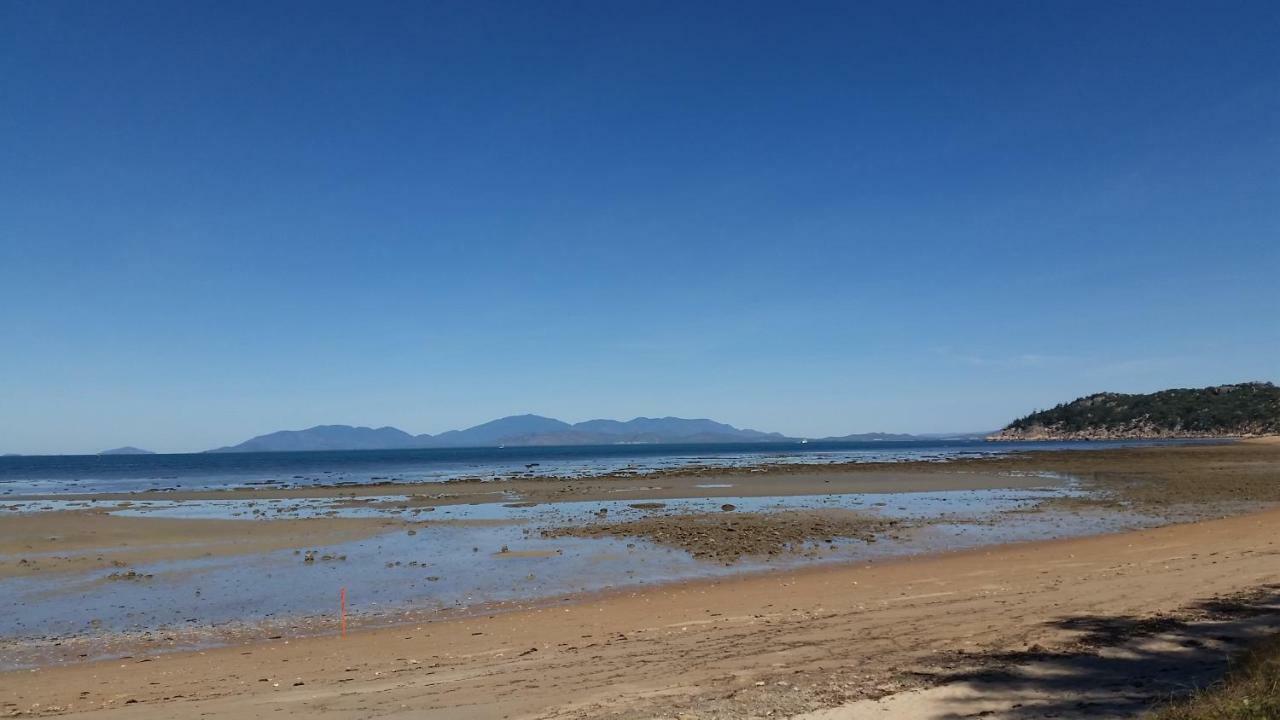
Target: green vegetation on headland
(1246, 409)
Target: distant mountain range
(524, 430)
(126, 450)
(530, 430)
(1243, 409)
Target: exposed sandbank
(80, 540)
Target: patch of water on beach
(455, 559)
(418, 508)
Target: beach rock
(131, 575)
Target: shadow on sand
(1116, 666)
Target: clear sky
(221, 219)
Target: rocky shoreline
(1134, 432)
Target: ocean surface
(72, 474)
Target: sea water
(62, 474)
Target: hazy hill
(515, 430)
(1220, 411)
(496, 432)
(327, 437)
(871, 437)
(672, 427)
(532, 430)
(126, 450)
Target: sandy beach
(1009, 629)
(788, 644)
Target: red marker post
(342, 609)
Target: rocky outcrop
(1141, 431)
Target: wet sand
(81, 540)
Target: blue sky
(221, 219)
